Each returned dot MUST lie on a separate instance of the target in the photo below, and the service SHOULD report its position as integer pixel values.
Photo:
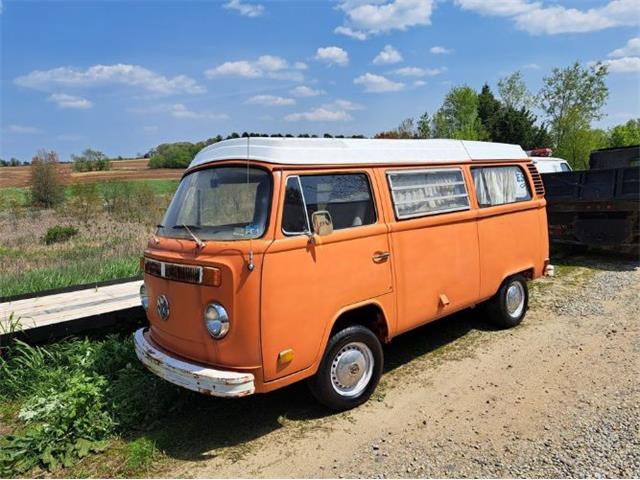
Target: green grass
(76, 272)
(20, 195)
(73, 399)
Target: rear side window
(500, 185)
(417, 193)
(347, 198)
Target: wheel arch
(370, 315)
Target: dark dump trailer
(599, 207)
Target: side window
(500, 185)
(347, 197)
(417, 193)
(294, 217)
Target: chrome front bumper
(199, 378)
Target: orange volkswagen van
(287, 259)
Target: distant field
(137, 169)
(107, 246)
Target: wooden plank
(48, 310)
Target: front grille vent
(173, 271)
(537, 179)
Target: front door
(307, 282)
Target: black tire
(496, 308)
(321, 384)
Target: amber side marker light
(212, 276)
(285, 356)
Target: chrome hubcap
(515, 299)
(351, 369)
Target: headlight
(216, 320)
(144, 299)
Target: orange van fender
(528, 271)
(382, 329)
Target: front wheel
(350, 369)
(509, 306)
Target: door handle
(380, 257)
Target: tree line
(570, 100)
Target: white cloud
(266, 65)
(241, 68)
(419, 83)
(304, 91)
(531, 66)
(379, 16)
(499, 8)
(332, 56)
(70, 101)
(121, 74)
(437, 50)
(632, 48)
(23, 129)
(320, 114)
(246, 9)
(419, 72)
(271, 63)
(387, 56)
(349, 32)
(179, 110)
(270, 100)
(340, 104)
(623, 65)
(535, 18)
(377, 83)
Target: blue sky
(125, 76)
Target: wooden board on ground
(62, 311)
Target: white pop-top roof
(332, 151)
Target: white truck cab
(545, 163)
(551, 164)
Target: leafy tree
(458, 116)
(514, 92)
(47, 189)
(90, 160)
(404, 130)
(626, 134)
(572, 98)
(488, 110)
(424, 126)
(579, 140)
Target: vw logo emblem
(162, 305)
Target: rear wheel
(350, 369)
(509, 306)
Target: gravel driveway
(558, 396)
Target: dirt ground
(136, 169)
(558, 396)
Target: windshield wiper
(188, 228)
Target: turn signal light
(212, 276)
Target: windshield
(221, 203)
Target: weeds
(73, 397)
(59, 233)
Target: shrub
(72, 397)
(85, 202)
(90, 160)
(131, 201)
(59, 233)
(47, 188)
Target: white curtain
(496, 185)
(428, 192)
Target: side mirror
(321, 223)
